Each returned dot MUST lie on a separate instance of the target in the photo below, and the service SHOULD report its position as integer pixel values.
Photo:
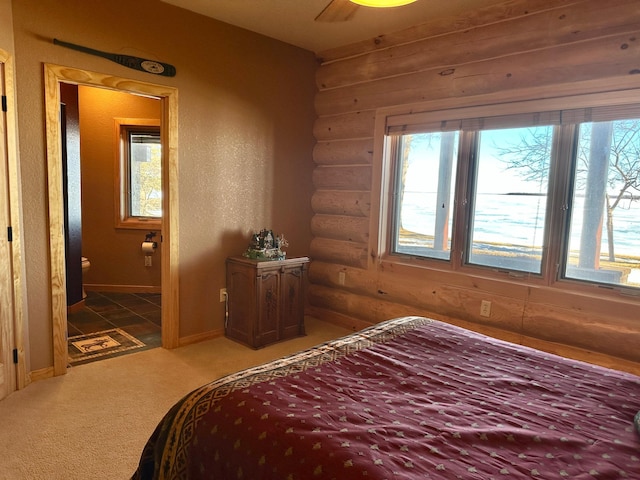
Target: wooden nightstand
(265, 300)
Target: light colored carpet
(94, 421)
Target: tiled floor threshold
(120, 322)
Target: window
(604, 232)
(553, 195)
(508, 211)
(139, 195)
(426, 178)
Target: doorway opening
(113, 289)
(55, 77)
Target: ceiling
(292, 21)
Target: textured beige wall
(115, 254)
(245, 137)
(6, 26)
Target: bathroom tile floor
(138, 314)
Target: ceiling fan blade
(337, 11)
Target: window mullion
(465, 179)
(395, 150)
(559, 195)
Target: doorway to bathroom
(113, 289)
(115, 251)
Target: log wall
(520, 46)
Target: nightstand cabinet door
(292, 302)
(242, 303)
(267, 329)
(265, 300)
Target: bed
(410, 398)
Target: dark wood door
(70, 127)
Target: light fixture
(382, 3)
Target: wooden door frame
(7, 370)
(20, 377)
(54, 75)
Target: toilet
(85, 268)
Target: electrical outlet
(341, 278)
(223, 294)
(147, 260)
(485, 308)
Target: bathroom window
(139, 195)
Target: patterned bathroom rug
(100, 345)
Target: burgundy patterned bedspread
(411, 398)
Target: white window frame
(417, 118)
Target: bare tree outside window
(606, 177)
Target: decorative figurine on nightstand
(265, 245)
